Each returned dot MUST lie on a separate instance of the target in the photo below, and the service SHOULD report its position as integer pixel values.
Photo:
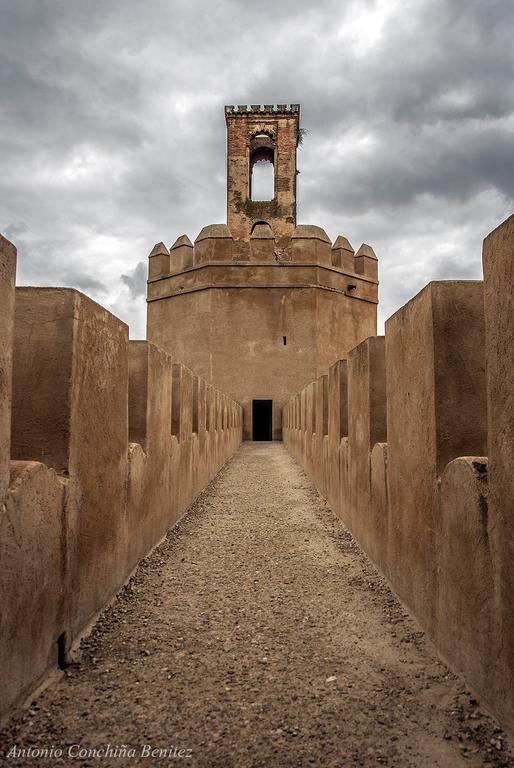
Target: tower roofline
(261, 109)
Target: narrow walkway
(258, 634)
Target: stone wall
(417, 460)
(111, 442)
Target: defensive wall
(111, 442)
(410, 439)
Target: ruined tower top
(269, 134)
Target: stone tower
(261, 306)
(262, 134)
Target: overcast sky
(113, 136)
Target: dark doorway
(261, 419)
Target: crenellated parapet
(307, 259)
(158, 261)
(366, 263)
(310, 244)
(181, 254)
(343, 254)
(110, 445)
(417, 460)
(213, 244)
(261, 109)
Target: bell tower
(262, 134)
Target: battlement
(261, 109)
(308, 259)
(97, 462)
(409, 438)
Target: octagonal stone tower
(261, 306)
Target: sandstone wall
(498, 261)
(7, 275)
(111, 442)
(418, 463)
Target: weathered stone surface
(498, 260)
(366, 426)
(310, 244)
(366, 263)
(214, 243)
(68, 542)
(159, 249)
(262, 244)
(421, 504)
(279, 131)
(181, 254)
(338, 402)
(436, 411)
(213, 231)
(343, 255)
(310, 232)
(32, 565)
(465, 614)
(7, 278)
(233, 335)
(262, 231)
(76, 421)
(181, 241)
(158, 261)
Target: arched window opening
(262, 170)
(261, 229)
(262, 183)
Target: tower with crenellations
(261, 305)
(267, 135)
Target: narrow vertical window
(262, 168)
(263, 180)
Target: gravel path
(258, 634)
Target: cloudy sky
(113, 136)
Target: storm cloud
(112, 133)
